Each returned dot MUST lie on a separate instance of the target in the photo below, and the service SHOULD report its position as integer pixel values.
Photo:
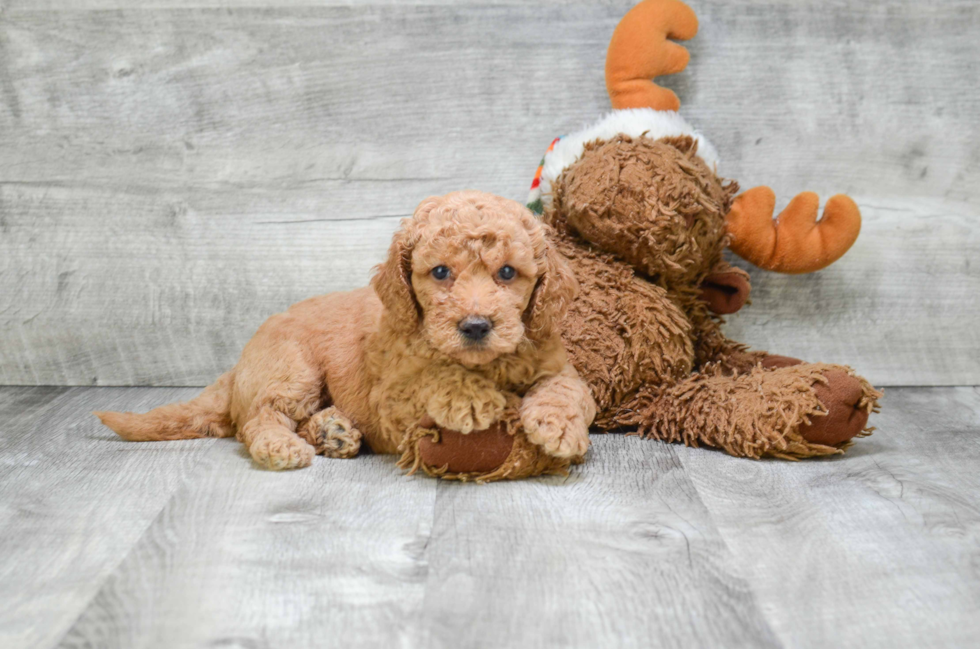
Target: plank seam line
(183, 482)
(724, 541)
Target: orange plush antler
(639, 51)
(795, 242)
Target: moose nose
(474, 327)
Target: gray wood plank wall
(174, 171)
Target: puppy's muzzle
(475, 328)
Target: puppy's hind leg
(271, 439)
(281, 389)
(332, 434)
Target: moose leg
(791, 412)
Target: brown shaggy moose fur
(388, 363)
(642, 223)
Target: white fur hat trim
(634, 122)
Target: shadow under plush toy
(643, 218)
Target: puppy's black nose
(474, 327)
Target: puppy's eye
(440, 272)
(507, 273)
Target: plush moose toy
(641, 214)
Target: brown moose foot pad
(332, 434)
(479, 452)
(843, 399)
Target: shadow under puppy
(458, 332)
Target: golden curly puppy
(459, 324)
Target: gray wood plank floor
(105, 543)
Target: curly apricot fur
(383, 358)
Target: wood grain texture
(186, 544)
(172, 173)
(622, 553)
(73, 500)
(49, 5)
(879, 548)
(901, 313)
(326, 556)
(353, 553)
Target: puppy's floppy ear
(553, 294)
(392, 280)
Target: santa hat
(635, 122)
(640, 50)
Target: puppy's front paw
(332, 434)
(280, 450)
(466, 408)
(559, 432)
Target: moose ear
(392, 281)
(553, 294)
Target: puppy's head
(475, 276)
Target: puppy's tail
(207, 415)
